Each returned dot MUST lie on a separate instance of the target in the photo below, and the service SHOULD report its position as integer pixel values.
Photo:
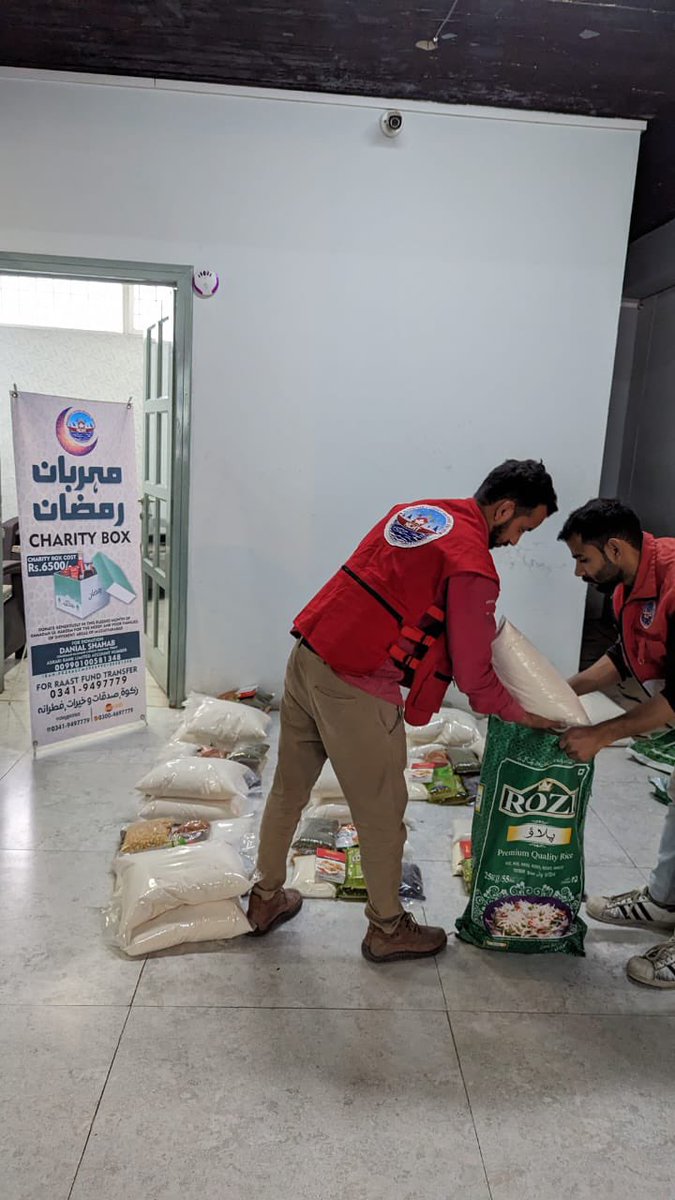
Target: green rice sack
(528, 845)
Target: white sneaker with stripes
(631, 908)
(656, 968)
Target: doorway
(129, 325)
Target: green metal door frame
(166, 275)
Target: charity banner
(80, 530)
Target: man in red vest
(414, 606)
(612, 552)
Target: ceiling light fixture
(430, 44)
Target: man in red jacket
(611, 551)
(414, 606)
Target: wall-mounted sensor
(391, 123)
(205, 283)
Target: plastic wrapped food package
(346, 836)
(463, 761)
(192, 810)
(195, 779)
(152, 883)
(175, 748)
(452, 728)
(250, 694)
(416, 789)
(331, 866)
(421, 734)
(225, 725)
(302, 877)
(354, 886)
(440, 783)
(252, 757)
(315, 832)
(428, 752)
(412, 886)
(216, 921)
(158, 834)
(460, 728)
(242, 834)
(533, 680)
(527, 845)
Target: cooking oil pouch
(527, 842)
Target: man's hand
(582, 744)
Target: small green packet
(354, 886)
(446, 787)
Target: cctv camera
(391, 123)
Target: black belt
(302, 641)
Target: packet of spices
(331, 866)
(346, 837)
(446, 787)
(354, 886)
(315, 832)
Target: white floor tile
(54, 1065)
(272, 1105)
(51, 936)
(572, 1107)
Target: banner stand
(80, 536)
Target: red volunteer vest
(391, 596)
(643, 617)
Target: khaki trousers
(322, 717)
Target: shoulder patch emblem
(417, 525)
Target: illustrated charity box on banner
(81, 562)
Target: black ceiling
(605, 58)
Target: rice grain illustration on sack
(86, 587)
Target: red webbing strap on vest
(422, 637)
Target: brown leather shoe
(265, 915)
(409, 940)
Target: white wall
(65, 362)
(394, 318)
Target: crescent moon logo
(75, 431)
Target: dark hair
(600, 520)
(524, 481)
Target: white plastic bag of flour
(196, 779)
(536, 684)
(225, 724)
(217, 921)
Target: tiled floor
(290, 1069)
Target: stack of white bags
(191, 893)
(165, 898)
